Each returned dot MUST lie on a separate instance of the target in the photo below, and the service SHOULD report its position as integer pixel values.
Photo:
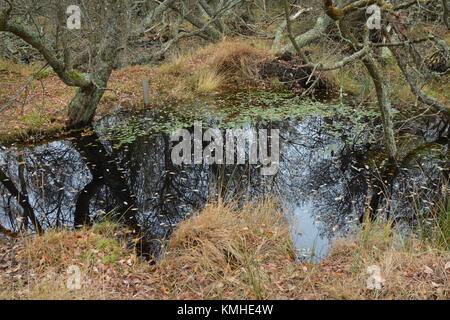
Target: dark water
(321, 182)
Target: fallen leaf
(428, 270)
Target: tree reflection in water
(321, 184)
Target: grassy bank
(228, 253)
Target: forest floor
(33, 102)
(226, 253)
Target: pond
(321, 182)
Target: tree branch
(32, 38)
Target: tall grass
(215, 67)
(435, 226)
(208, 81)
(227, 248)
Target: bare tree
(363, 49)
(106, 30)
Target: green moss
(239, 110)
(110, 248)
(106, 227)
(75, 76)
(34, 120)
(30, 135)
(44, 74)
(7, 66)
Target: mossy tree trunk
(83, 106)
(384, 104)
(319, 30)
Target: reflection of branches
(103, 168)
(104, 171)
(50, 188)
(22, 199)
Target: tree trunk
(83, 105)
(446, 13)
(384, 102)
(319, 30)
(385, 107)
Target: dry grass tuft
(216, 66)
(235, 59)
(208, 81)
(227, 253)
